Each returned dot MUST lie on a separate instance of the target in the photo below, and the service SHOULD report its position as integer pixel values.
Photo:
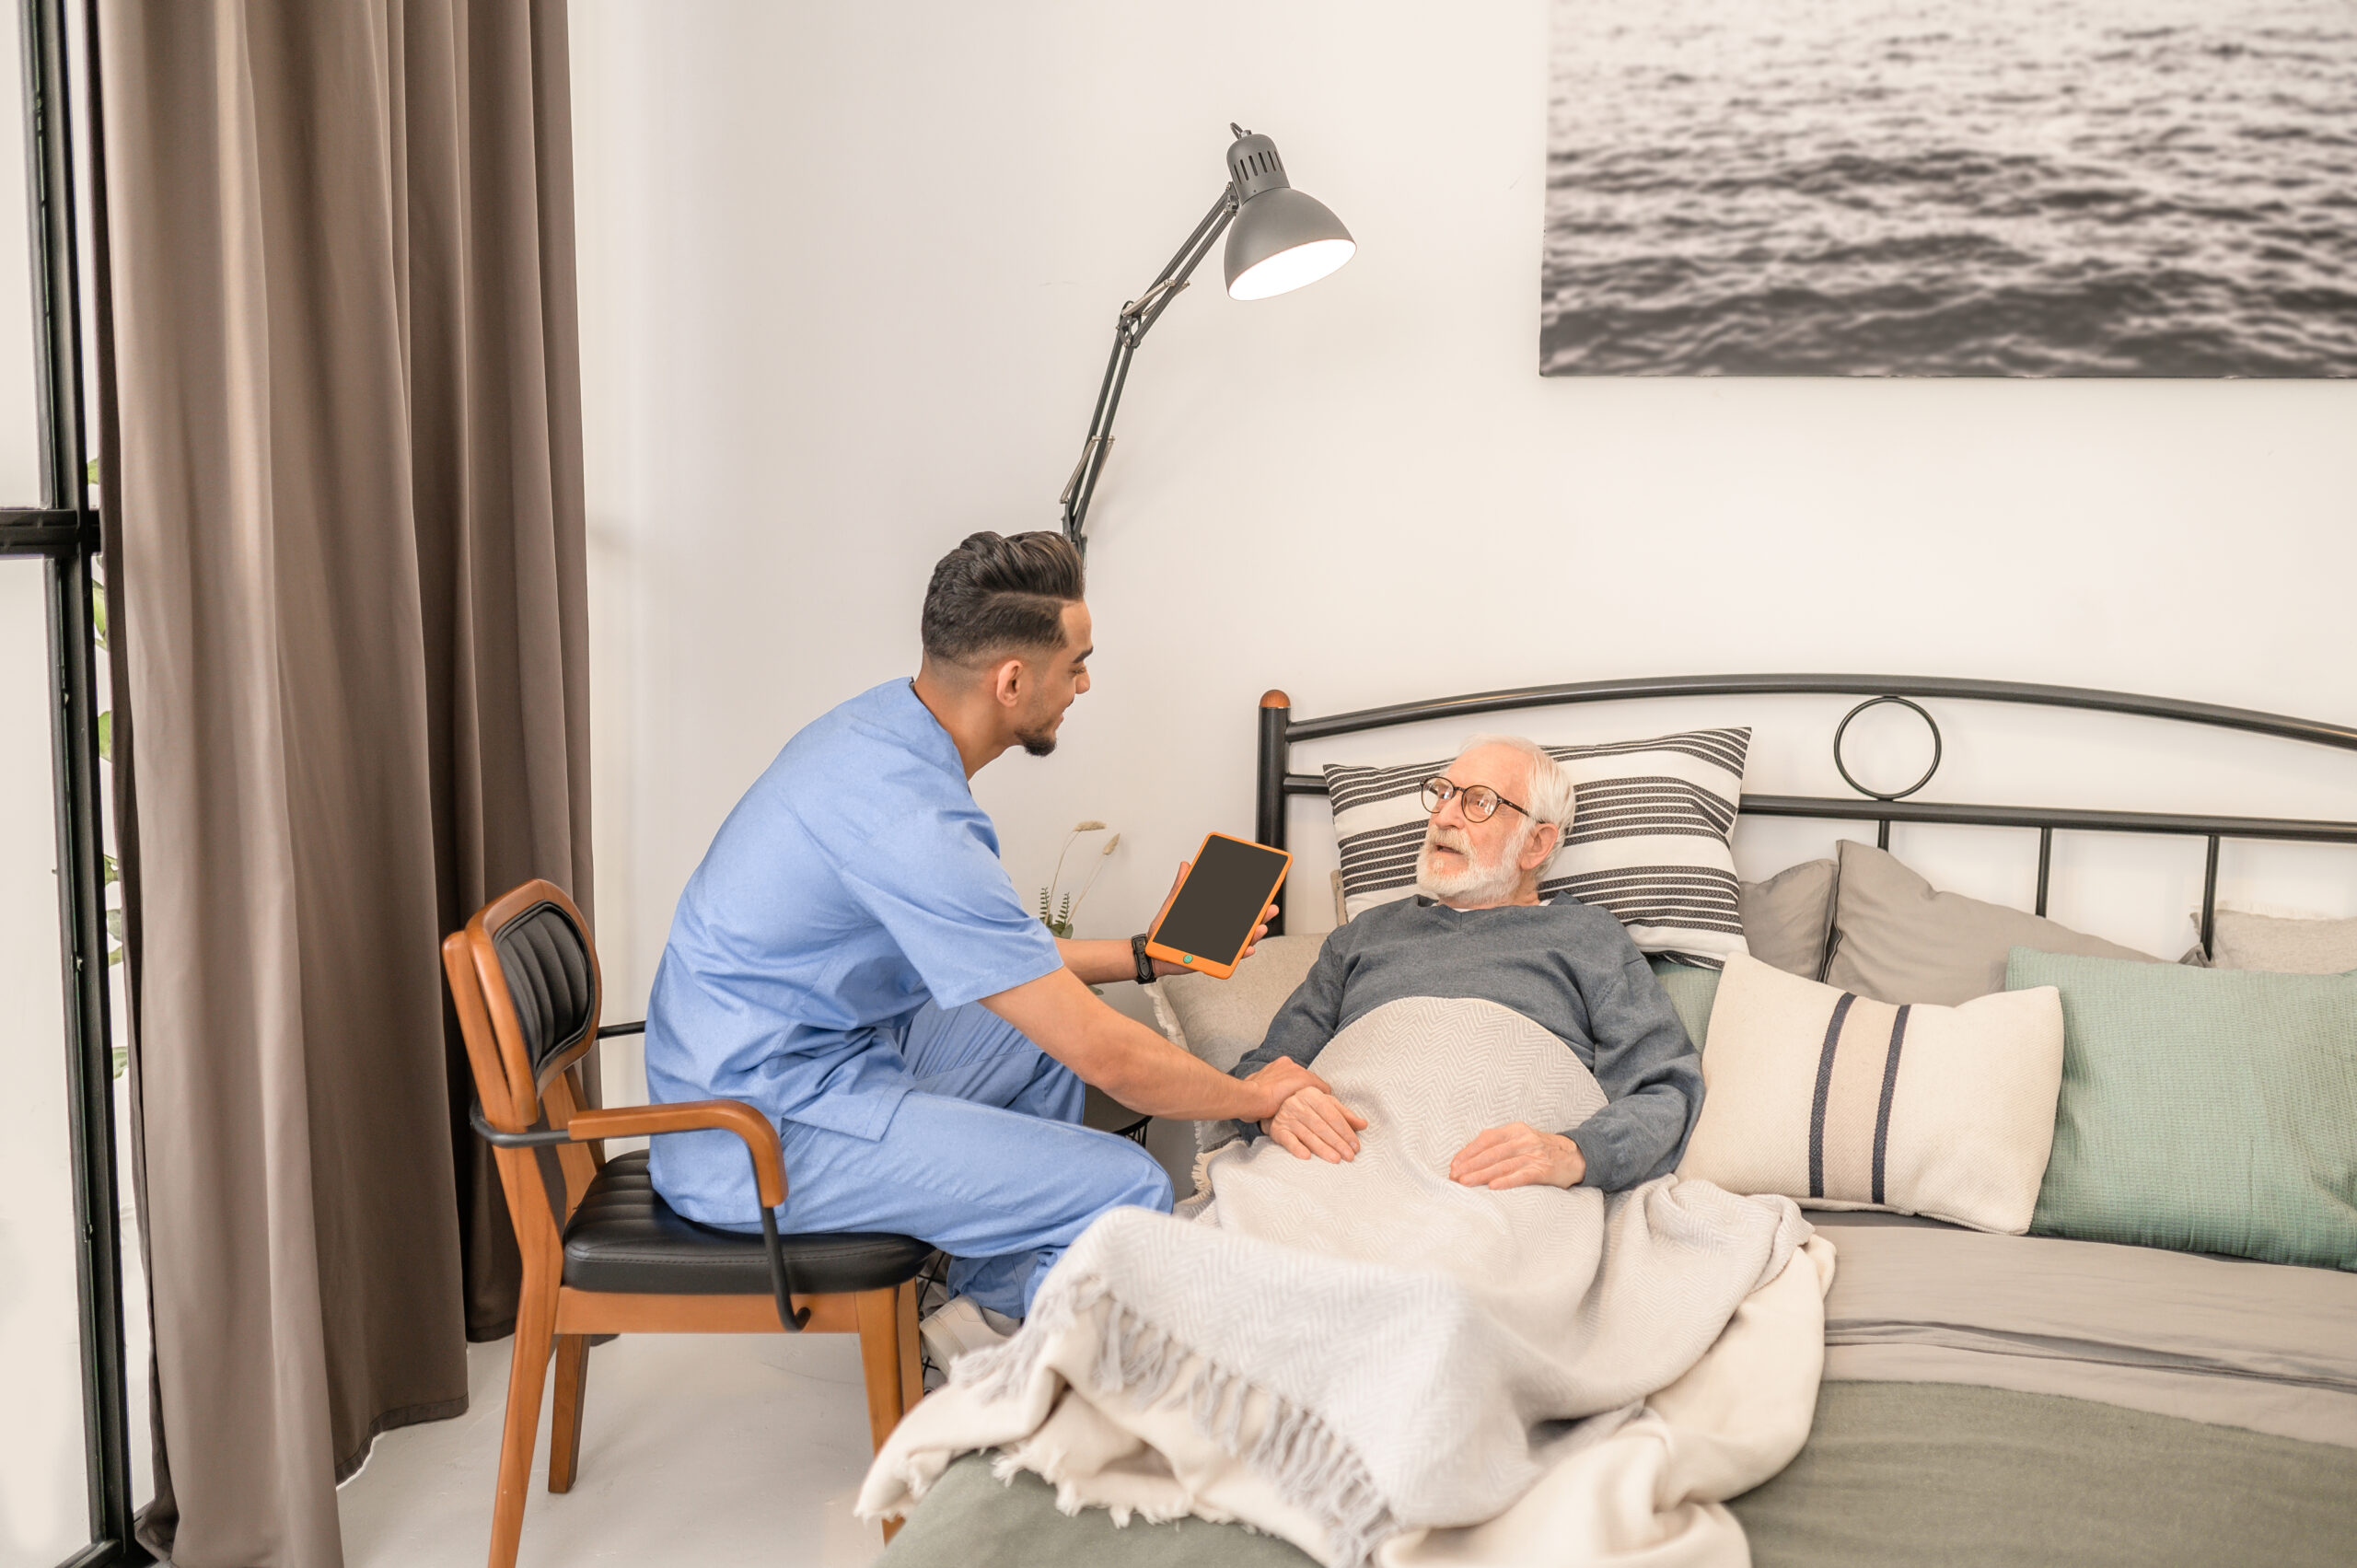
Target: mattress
(1993, 1399)
(2264, 1346)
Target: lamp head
(1282, 239)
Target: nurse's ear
(1010, 682)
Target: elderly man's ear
(1542, 845)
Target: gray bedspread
(1895, 1473)
(1989, 1400)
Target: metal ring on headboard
(1843, 728)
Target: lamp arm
(1129, 329)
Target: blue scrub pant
(986, 1158)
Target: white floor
(695, 1449)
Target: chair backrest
(552, 977)
(524, 977)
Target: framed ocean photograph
(2128, 187)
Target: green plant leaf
(99, 613)
(121, 1061)
(106, 735)
(113, 874)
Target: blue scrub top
(856, 881)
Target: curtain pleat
(495, 420)
(352, 598)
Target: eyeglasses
(1481, 802)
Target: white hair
(1551, 797)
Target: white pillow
(1839, 1102)
(1648, 841)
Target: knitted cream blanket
(1381, 1365)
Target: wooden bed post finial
(1269, 804)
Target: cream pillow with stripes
(1648, 841)
(1839, 1102)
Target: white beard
(1477, 882)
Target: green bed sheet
(1896, 1475)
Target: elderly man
(1477, 929)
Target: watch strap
(1137, 955)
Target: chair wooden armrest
(759, 1134)
(687, 1116)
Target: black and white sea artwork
(1951, 187)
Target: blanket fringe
(1310, 1466)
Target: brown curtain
(347, 522)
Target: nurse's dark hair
(997, 594)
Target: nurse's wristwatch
(1144, 964)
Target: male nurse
(852, 958)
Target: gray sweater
(1566, 967)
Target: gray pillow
(1219, 1020)
(1787, 919)
(1897, 938)
(2283, 944)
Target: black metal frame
(64, 532)
(1280, 731)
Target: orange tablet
(1212, 916)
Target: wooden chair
(603, 1254)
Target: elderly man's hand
(1518, 1156)
(1313, 1124)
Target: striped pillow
(1648, 843)
(1840, 1102)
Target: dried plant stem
(1111, 845)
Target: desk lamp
(1278, 239)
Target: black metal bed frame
(1280, 730)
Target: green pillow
(1691, 992)
(2210, 1111)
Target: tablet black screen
(1221, 900)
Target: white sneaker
(959, 1328)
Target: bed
(1996, 1399)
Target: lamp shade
(1282, 238)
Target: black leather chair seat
(625, 1238)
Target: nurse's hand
(1279, 1082)
(1163, 966)
(1257, 931)
(1314, 1124)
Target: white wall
(849, 273)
